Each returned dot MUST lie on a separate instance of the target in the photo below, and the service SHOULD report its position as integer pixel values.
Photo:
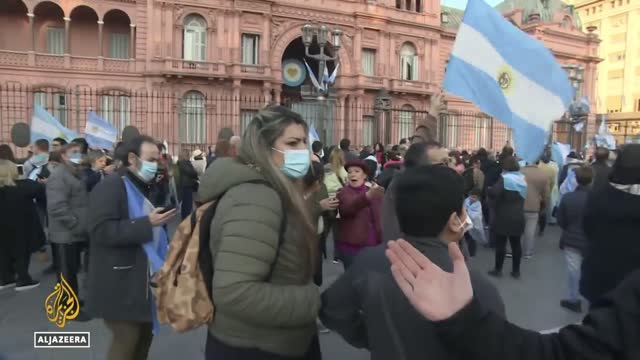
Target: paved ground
(532, 302)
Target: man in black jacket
(610, 331)
(601, 168)
(573, 241)
(119, 270)
(368, 309)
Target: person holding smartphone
(360, 207)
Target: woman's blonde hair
(336, 159)
(8, 173)
(256, 148)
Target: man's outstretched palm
(435, 293)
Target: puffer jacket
(354, 224)
(67, 204)
(276, 315)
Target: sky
(460, 4)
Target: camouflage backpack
(182, 287)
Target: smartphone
(20, 170)
(168, 208)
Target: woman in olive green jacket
(266, 302)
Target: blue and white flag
(515, 181)
(559, 153)
(314, 80)
(46, 126)
(155, 248)
(334, 74)
(509, 75)
(604, 137)
(313, 135)
(99, 133)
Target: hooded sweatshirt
(276, 315)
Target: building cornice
(580, 5)
(575, 37)
(585, 58)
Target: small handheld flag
(99, 133)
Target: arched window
(115, 107)
(405, 121)
(408, 62)
(192, 124)
(54, 101)
(566, 22)
(195, 38)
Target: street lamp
(579, 110)
(323, 36)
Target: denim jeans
(529, 238)
(574, 262)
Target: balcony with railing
(370, 82)
(412, 87)
(65, 62)
(181, 67)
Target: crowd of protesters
(279, 201)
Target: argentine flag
(99, 133)
(45, 126)
(509, 75)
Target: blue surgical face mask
(296, 163)
(75, 158)
(148, 170)
(40, 159)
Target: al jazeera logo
(61, 306)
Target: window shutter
(250, 49)
(40, 99)
(368, 62)
(125, 112)
(119, 46)
(202, 45)
(55, 41)
(414, 68)
(188, 44)
(107, 108)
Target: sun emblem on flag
(505, 78)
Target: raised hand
(435, 293)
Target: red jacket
(354, 222)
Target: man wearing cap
(198, 161)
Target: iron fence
(194, 119)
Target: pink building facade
(182, 70)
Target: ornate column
(67, 35)
(100, 39)
(276, 94)
(380, 61)
(357, 50)
(32, 30)
(31, 57)
(235, 104)
(211, 33)
(266, 93)
(132, 41)
(100, 45)
(340, 117)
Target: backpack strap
(205, 260)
